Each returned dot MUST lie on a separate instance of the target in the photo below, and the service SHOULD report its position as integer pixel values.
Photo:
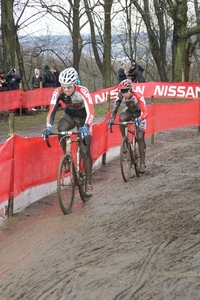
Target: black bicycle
(70, 171)
(129, 151)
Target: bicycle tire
(66, 184)
(125, 159)
(136, 162)
(81, 187)
(82, 180)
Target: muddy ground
(136, 240)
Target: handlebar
(64, 133)
(126, 123)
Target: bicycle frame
(69, 141)
(69, 171)
(130, 156)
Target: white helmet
(68, 77)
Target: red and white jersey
(80, 99)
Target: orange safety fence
(28, 162)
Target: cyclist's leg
(65, 123)
(142, 148)
(87, 162)
(79, 119)
(125, 116)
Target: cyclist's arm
(143, 106)
(53, 106)
(116, 107)
(88, 105)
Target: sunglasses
(67, 87)
(125, 91)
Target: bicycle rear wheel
(125, 159)
(66, 184)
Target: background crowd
(11, 81)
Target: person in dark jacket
(48, 78)
(13, 80)
(136, 76)
(122, 74)
(135, 72)
(56, 73)
(135, 65)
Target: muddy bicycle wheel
(125, 159)
(66, 184)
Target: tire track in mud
(136, 240)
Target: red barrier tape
(41, 97)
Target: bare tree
(70, 15)
(157, 31)
(101, 43)
(182, 45)
(11, 23)
(8, 40)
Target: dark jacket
(136, 75)
(48, 78)
(121, 74)
(56, 74)
(139, 67)
(13, 80)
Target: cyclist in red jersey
(136, 109)
(78, 111)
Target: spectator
(13, 80)
(36, 79)
(48, 80)
(56, 73)
(134, 65)
(136, 75)
(3, 82)
(122, 74)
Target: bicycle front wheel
(66, 184)
(125, 159)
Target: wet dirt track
(136, 240)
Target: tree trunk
(107, 44)
(8, 41)
(25, 85)
(157, 43)
(77, 41)
(180, 45)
